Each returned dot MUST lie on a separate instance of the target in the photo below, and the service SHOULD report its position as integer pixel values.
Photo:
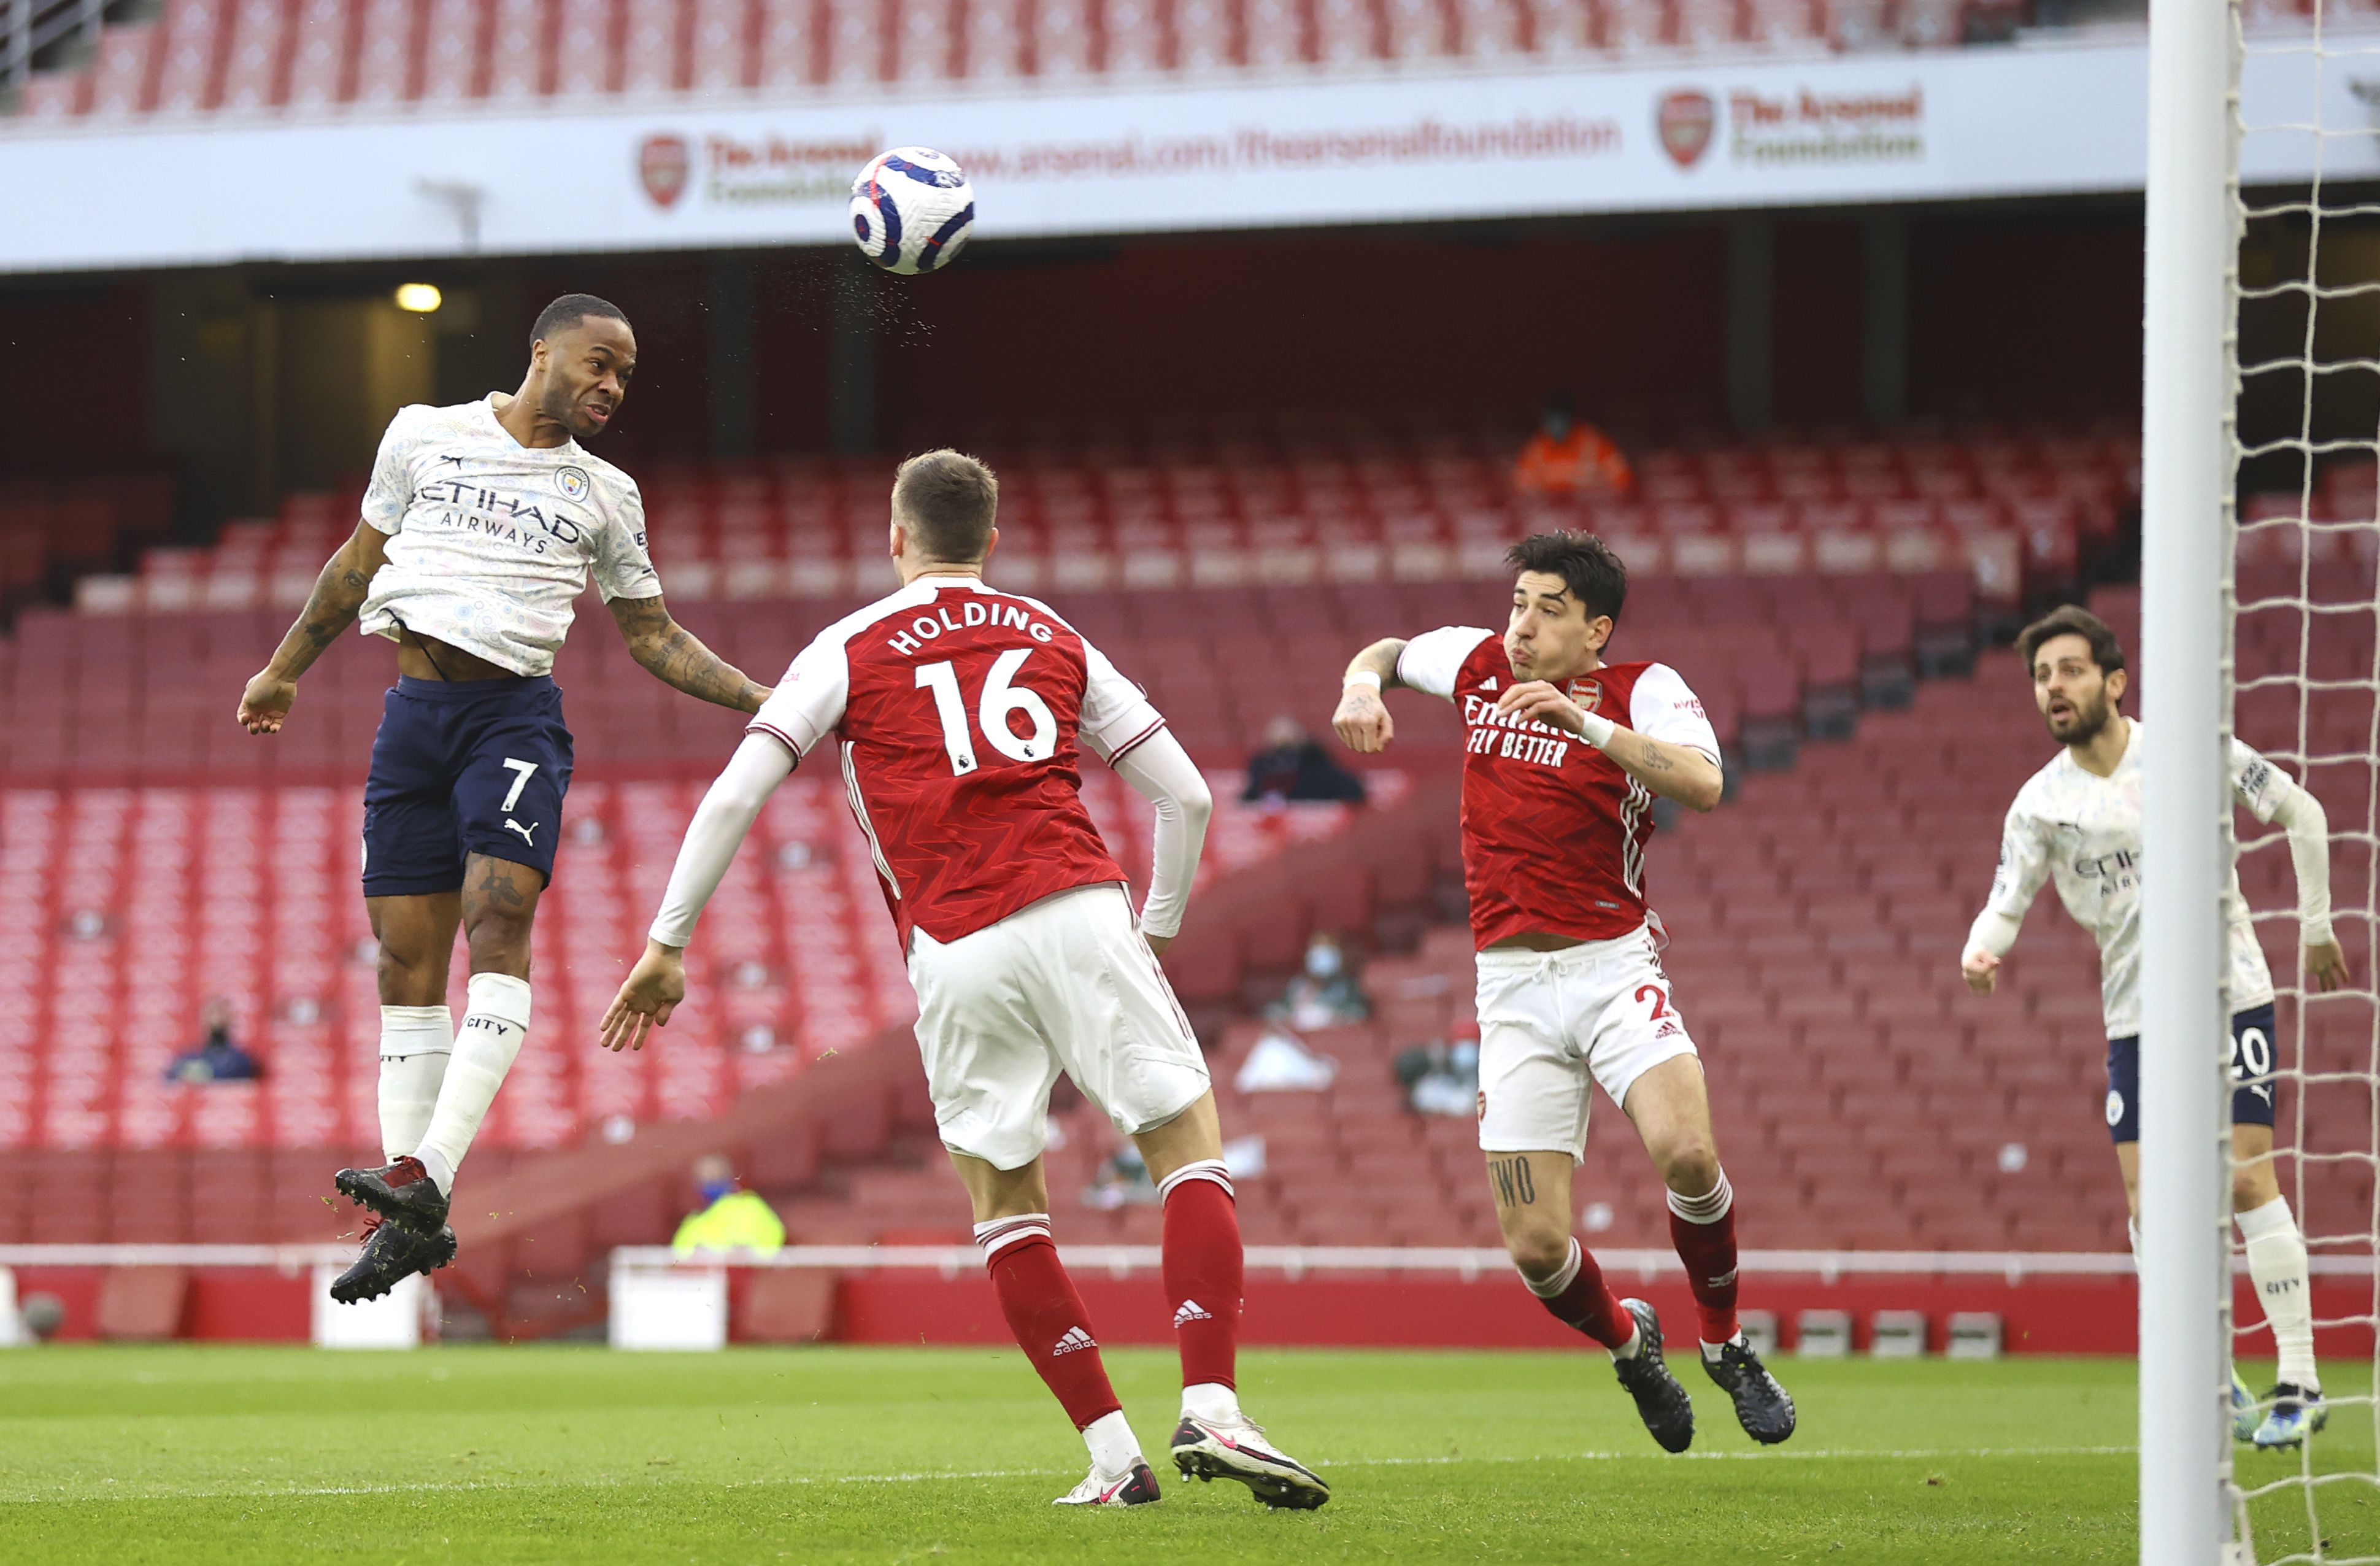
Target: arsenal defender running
(481, 527)
(958, 713)
(1564, 756)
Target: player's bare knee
(498, 945)
(1690, 1168)
(2252, 1187)
(409, 978)
(1537, 1249)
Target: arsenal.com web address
(1423, 141)
(770, 169)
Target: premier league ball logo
(664, 163)
(1686, 120)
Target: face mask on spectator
(714, 1189)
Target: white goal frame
(2187, 1497)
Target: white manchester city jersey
(2084, 832)
(491, 541)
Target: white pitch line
(1910, 1454)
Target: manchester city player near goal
(2077, 821)
(1562, 757)
(481, 524)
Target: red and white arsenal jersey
(1553, 831)
(956, 710)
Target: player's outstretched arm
(2023, 867)
(676, 657)
(338, 596)
(657, 983)
(1362, 719)
(1673, 771)
(2302, 816)
(1162, 773)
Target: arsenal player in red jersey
(1564, 757)
(958, 714)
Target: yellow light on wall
(418, 297)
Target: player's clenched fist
(265, 705)
(1539, 702)
(650, 993)
(1362, 720)
(1982, 971)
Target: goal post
(2186, 1506)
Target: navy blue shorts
(2252, 1075)
(474, 767)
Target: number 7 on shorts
(523, 771)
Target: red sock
(1202, 1271)
(1046, 1314)
(1583, 1300)
(1703, 1228)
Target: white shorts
(1554, 1023)
(1066, 984)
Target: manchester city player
(480, 526)
(2077, 823)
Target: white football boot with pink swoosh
(1236, 1449)
(1135, 1486)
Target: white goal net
(2304, 688)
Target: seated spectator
(1568, 457)
(1443, 1078)
(1121, 1180)
(1292, 766)
(1325, 992)
(731, 1219)
(218, 1059)
(1280, 1062)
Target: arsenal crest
(1686, 120)
(1589, 694)
(664, 163)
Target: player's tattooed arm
(338, 597)
(676, 657)
(1362, 719)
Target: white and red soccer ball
(912, 210)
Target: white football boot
(1236, 1449)
(1136, 1486)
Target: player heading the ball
(1563, 756)
(480, 526)
(2078, 821)
(959, 714)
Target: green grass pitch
(483, 1455)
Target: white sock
(2276, 1260)
(414, 1044)
(485, 1047)
(1712, 1351)
(2132, 1235)
(1115, 1448)
(1212, 1402)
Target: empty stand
(251, 56)
(135, 904)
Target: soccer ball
(911, 210)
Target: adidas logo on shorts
(1190, 1312)
(1075, 1339)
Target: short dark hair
(947, 502)
(2072, 620)
(568, 312)
(1585, 562)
